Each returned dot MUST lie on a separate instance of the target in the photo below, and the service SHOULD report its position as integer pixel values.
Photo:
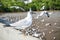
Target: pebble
(42, 23)
(42, 20)
(37, 17)
(49, 32)
(52, 30)
(33, 29)
(34, 24)
(38, 26)
(40, 38)
(36, 34)
(47, 24)
(45, 29)
(54, 38)
(55, 23)
(43, 34)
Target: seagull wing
(21, 24)
(41, 13)
(18, 22)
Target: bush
(35, 5)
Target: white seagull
(27, 1)
(17, 7)
(24, 23)
(44, 12)
(21, 24)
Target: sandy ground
(52, 31)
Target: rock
(54, 38)
(42, 20)
(55, 23)
(43, 34)
(47, 24)
(52, 30)
(37, 34)
(49, 32)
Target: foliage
(35, 5)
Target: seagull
(17, 7)
(47, 14)
(48, 24)
(24, 23)
(44, 12)
(21, 24)
(27, 1)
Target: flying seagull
(17, 7)
(21, 24)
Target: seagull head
(31, 12)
